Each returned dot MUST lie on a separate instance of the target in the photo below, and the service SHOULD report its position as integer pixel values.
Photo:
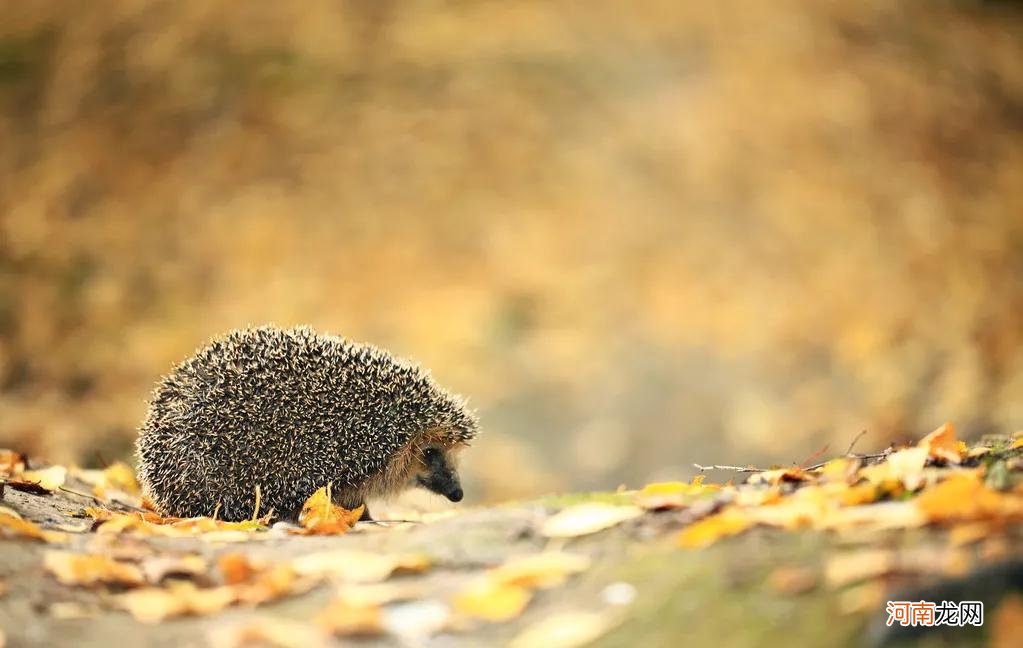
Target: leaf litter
(972, 492)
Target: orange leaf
(11, 524)
(90, 569)
(11, 462)
(942, 444)
(964, 497)
(341, 618)
(321, 516)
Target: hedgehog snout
(440, 476)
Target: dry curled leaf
(13, 526)
(155, 604)
(942, 444)
(547, 569)
(321, 516)
(91, 569)
(585, 519)
(117, 476)
(47, 479)
(11, 462)
(964, 497)
(343, 619)
(359, 566)
(503, 592)
(775, 477)
(901, 469)
(492, 600)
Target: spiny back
(288, 410)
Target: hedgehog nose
(455, 495)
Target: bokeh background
(636, 234)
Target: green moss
(719, 597)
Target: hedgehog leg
(366, 517)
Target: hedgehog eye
(431, 454)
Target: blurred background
(636, 234)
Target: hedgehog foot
(366, 517)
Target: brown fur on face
(409, 467)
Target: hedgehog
(263, 417)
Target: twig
(742, 469)
(816, 455)
(848, 455)
(96, 500)
(854, 442)
(874, 455)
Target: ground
(618, 570)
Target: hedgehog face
(435, 471)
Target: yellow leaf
(547, 569)
(491, 600)
(153, 604)
(89, 569)
(320, 516)
(942, 444)
(12, 525)
(711, 529)
(585, 519)
(902, 468)
(49, 479)
(563, 630)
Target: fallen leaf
(158, 568)
(378, 594)
(278, 633)
(964, 497)
(11, 462)
(547, 569)
(359, 566)
(563, 630)
(236, 567)
(343, 619)
(942, 444)
(709, 530)
(12, 525)
(154, 604)
(585, 519)
(775, 477)
(321, 516)
(118, 476)
(91, 569)
(49, 479)
(491, 600)
(668, 495)
(903, 468)
(414, 620)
